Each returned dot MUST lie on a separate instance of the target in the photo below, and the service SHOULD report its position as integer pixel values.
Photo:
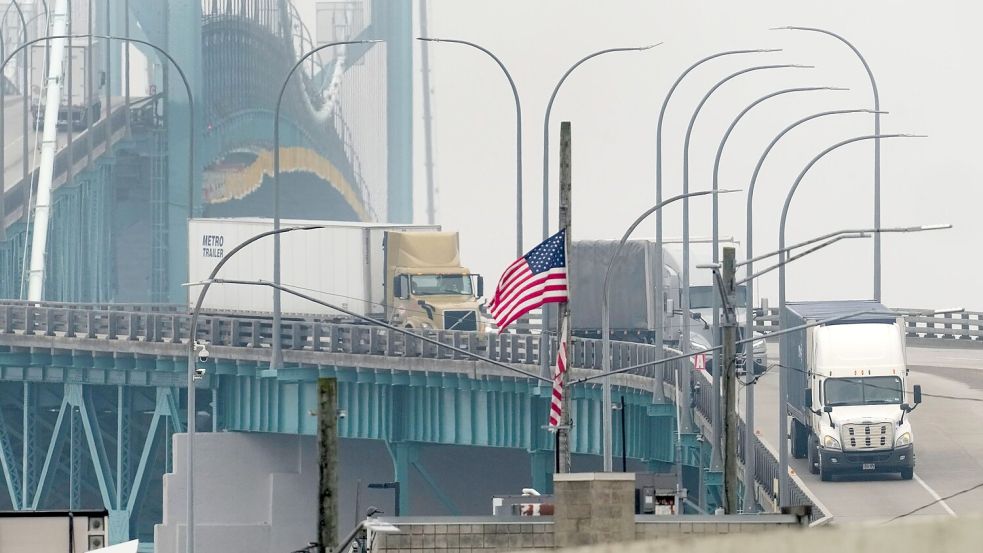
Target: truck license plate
(868, 466)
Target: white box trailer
(77, 109)
(343, 264)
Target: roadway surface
(13, 137)
(948, 443)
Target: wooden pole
(327, 434)
(563, 432)
(729, 381)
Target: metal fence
(966, 326)
(158, 323)
(765, 461)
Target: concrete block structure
(594, 507)
(467, 534)
(253, 493)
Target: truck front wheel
(907, 473)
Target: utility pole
(563, 309)
(327, 454)
(729, 379)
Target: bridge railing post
(29, 320)
(317, 332)
(49, 321)
(132, 325)
(8, 319)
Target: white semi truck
(846, 392)
(409, 275)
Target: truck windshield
(870, 390)
(440, 285)
(701, 297)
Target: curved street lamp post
(877, 145)
(659, 277)
(277, 360)
(518, 135)
(749, 501)
(544, 358)
(685, 339)
(717, 416)
(606, 319)
(546, 125)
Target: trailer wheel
(907, 473)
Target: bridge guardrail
(765, 461)
(966, 326)
(170, 324)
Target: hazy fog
(925, 57)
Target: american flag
(535, 279)
(556, 404)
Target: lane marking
(938, 499)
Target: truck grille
(867, 436)
(460, 320)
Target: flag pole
(563, 308)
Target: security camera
(341, 413)
(202, 350)
(199, 373)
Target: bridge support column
(395, 21)
(404, 455)
(541, 463)
(183, 31)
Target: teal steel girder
(433, 407)
(82, 424)
(79, 260)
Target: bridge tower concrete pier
(183, 32)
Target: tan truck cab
(429, 287)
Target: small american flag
(556, 404)
(535, 279)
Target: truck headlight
(830, 442)
(903, 439)
(426, 326)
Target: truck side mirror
(481, 286)
(808, 398)
(399, 287)
(827, 409)
(695, 316)
(918, 394)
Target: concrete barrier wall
(486, 534)
(466, 534)
(935, 536)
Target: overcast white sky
(925, 56)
